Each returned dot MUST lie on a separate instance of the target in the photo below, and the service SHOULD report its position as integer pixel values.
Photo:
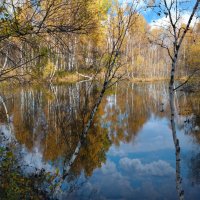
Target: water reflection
(179, 188)
(128, 151)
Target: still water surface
(128, 154)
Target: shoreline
(73, 78)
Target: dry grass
(153, 79)
(69, 78)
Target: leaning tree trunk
(83, 137)
(85, 131)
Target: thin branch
(186, 80)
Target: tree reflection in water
(52, 123)
(180, 191)
(188, 106)
(47, 125)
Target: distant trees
(189, 60)
(33, 30)
(144, 58)
(174, 30)
(22, 18)
(41, 39)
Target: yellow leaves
(99, 8)
(139, 24)
(139, 61)
(156, 32)
(191, 49)
(48, 69)
(53, 149)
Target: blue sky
(151, 16)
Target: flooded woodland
(128, 153)
(99, 100)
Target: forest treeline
(46, 39)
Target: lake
(128, 153)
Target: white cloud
(30, 160)
(164, 22)
(108, 168)
(154, 136)
(156, 168)
(6, 131)
(111, 182)
(34, 160)
(138, 4)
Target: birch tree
(172, 41)
(110, 65)
(24, 24)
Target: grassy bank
(74, 77)
(69, 78)
(154, 79)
